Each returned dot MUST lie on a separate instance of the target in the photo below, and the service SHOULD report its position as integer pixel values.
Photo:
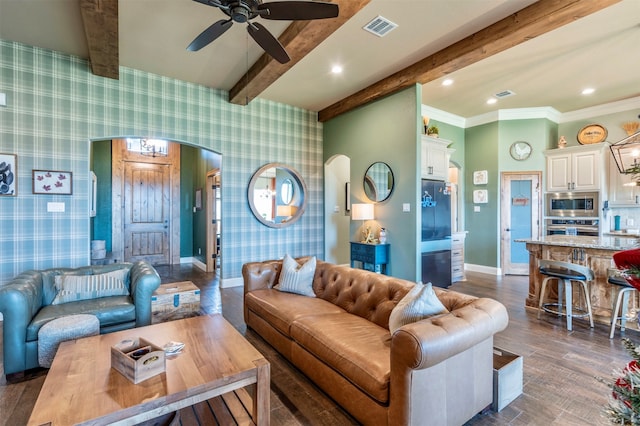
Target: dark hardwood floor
(560, 367)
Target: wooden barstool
(565, 273)
(622, 301)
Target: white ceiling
(599, 51)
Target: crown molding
(548, 113)
(599, 110)
(443, 116)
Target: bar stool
(622, 301)
(565, 273)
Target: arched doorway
(184, 204)
(337, 215)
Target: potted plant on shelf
(432, 131)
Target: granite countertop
(606, 242)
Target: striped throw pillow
(420, 303)
(296, 278)
(72, 288)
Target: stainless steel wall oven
(573, 204)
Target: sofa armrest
(144, 281)
(20, 300)
(428, 342)
(260, 275)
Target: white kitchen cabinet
(457, 256)
(621, 193)
(576, 168)
(435, 158)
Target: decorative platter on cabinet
(593, 133)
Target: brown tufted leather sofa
(437, 371)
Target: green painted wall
(540, 133)
(101, 223)
(386, 130)
(188, 157)
(481, 153)
(487, 148)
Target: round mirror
(378, 182)
(277, 195)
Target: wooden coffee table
(82, 388)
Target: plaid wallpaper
(55, 106)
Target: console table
(373, 257)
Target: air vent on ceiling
(380, 26)
(504, 94)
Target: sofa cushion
(356, 348)
(109, 310)
(420, 303)
(280, 309)
(297, 278)
(72, 288)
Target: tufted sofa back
(366, 294)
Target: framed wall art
(8, 175)
(52, 182)
(480, 177)
(480, 196)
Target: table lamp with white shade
(363, 212)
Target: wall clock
(593, 133)
(520, 150)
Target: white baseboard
(231, 282)
(491, 270)
(195, 262)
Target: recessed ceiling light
(491, 101)
(447, 82)
(588, 91)
(336, 69)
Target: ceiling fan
(245, 10)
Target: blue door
(520, 219)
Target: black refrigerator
(435, 244)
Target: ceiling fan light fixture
(243, 11)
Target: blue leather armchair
(25, 303)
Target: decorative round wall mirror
(378, 182)
(277, 195)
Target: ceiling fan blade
(210, 34)
(214, 3)
(297, 10)
(268, 42)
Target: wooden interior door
(145, 205)
(520, 213)
(147, 196)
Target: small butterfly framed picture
(52, 182)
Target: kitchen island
(594, 252)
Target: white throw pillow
(296, 278)
(72, 288)
(420, 303)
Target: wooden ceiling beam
(100, 18)
(530, 22)
(299, 39)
